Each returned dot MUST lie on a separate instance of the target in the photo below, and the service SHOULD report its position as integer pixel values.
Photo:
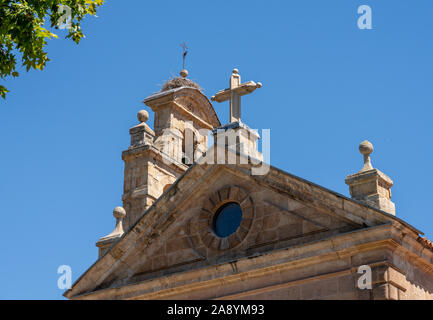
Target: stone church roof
(359, 215)
(291, 232)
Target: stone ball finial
(259, 85)
(235, 71)
(184, 73)
(142, 115)
(119, 212)
(366, 148)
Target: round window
(227, 219)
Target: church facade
(221, 223)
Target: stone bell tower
(156, 158)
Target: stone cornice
(145, 150)
(248, 268)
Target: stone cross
(234, 93)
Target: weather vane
(185, 52)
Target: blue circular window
(227, 219)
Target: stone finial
(119, 213)
(366, 149)
(142, 116)
(370, 185)
(184, 73)
(105, 242)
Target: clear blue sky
(326, 87)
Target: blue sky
(327, 86)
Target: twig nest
(179, 82)
(142, 116)
(366, 148)
(119, 212)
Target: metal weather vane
(185, 52)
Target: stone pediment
(175, 234)
(191, 101)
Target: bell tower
(183, 116)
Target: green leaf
(22, 31)
(3, 92)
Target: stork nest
(178, 82)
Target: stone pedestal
(141, 134)
(238, 137)
(372, 187)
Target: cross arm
(241, 90)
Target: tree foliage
(24, 33)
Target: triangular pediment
(176, 233)
(190, 101)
